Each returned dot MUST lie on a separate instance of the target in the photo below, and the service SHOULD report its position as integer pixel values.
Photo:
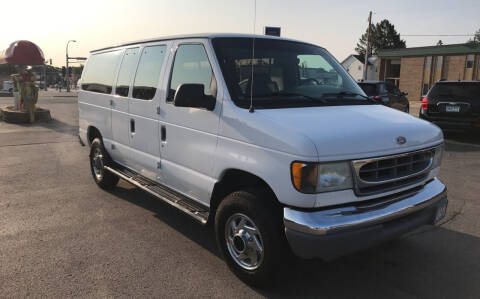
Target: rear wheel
(250, 237)
(98, 159)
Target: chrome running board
(190, 207)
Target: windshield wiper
(341, 95)
(293, 94)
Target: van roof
(198, 35)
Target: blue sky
(336, 25)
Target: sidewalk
(52, 92)
(415, 108)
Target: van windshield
(285, 74)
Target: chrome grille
(380, 174)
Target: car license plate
(450, 108)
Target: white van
(278, 147)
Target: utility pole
(66, 71)
(365, 67)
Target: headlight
(321, 177)
(437, 159)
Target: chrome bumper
(306, 227)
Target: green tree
(382, 36)
(476, 37)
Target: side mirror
(192, 95)
(404, 93)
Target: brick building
(414, 70)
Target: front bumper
(334, 232)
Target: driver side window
(191, 65)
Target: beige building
(414, 70)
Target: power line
(437, 34)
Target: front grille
(387, 173)
(394, 168)
(390, 186)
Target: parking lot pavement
(61, 236)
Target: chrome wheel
(244, 241)
(97, 163)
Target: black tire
(267, 218)
(104, 179)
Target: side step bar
(190, 207)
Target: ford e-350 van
(268, 139)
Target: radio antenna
(251, 110)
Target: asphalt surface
(61, 236)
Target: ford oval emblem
(401, 140)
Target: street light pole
(66, 70)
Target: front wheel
(250, 237)
(98, 159)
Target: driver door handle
(132, 126)
(163, 133)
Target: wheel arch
(233, 180)
(92, 133)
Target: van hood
(355, 131)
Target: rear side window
(456, 90)
(191, 66)
(381, 88)
(99, 72)
(127, 68)
(391, 88)
(369, 89)
(148, 72)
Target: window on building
(99, 72)
(127, 68)
(428, 62)
(191, 65)
(148, 72)
(469, 62)
(439, 63)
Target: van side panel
(94, 97)
(94, 110)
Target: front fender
(271, 166)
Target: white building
(354, 65)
